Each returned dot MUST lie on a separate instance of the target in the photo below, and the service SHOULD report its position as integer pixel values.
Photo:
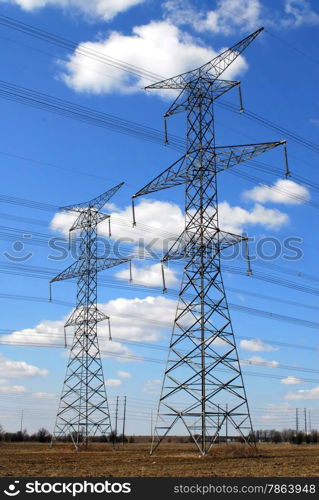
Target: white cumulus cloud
(131, 319)
(113, 382)
(282, 191)
(277, 411)
(19, 369)
(7, 388)
(160, 47)
(135, 319)
(150, 275)
(234, 218)
(299, 13)
(290, 380)
(304, 394)
(159, 223)
(259, 361)
(152, 386)
(123, 374)
(228, 17)
(44, 395)
(52, 332)
(256, 345)
(233, 16)
(94, 9)
(156, 221)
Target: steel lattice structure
(83, 410)
(203, 387)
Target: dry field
(173, 460)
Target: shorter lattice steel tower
(83, 410)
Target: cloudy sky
(111, 50)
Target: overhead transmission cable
(137, 71)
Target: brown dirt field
(172, 460)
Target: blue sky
(279, 82)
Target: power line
(45, 273)
(291, 46)
(52, 165)
(230, 289)
(148, 359)
(80, 113)
(149, 345)
(271, 125)
(96, 118)
(68, 44)
(55, 39)
(122, 220)
(12, 233)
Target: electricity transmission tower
(83, 409)
(203, 387)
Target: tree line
(44, 436)
(41, 436)
(287, 436)
(261, 436)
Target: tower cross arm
(206, 162)
(81, 268)
(96, 203)
(229, 156)
(174, 175)
(81, 221)
(214, 68)
(220, 63)
(189, 242)
(217, 88)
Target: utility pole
(21, 422)
(309, 420)
(151, 424)
(203, 369)
(226, 423)
(297, 420)
(116, 416)
(218, 427)
(305, 417)
(124, 419)
(83, 409)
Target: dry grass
(175, 460)
(233, 450)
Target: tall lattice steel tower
(83, 409)
(203, 387)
